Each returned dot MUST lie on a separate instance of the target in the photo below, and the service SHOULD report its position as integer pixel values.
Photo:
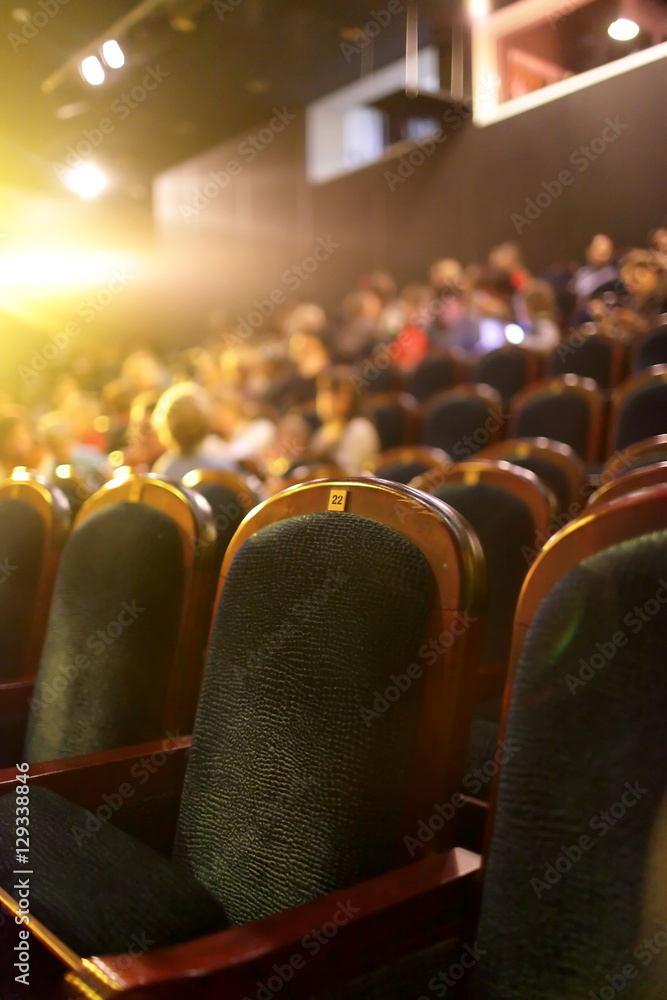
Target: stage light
(113, 54)
(86, 180)
(513, 333)
(92, 71)
(479, 9)
(622, 30)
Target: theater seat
(303, 779)
(555, 463)
(652, 349)
(123, 652)
(34, 525)
(639, 408)
(230, 497)
(597, 356)
(639, 479)
(568, 409)
(396, 417)
(508, 369)
(573, 901)
(463, 420)
(402, 465)
(649, 451)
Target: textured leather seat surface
(114, 621)
(98, 889)
(565, 917)
(21, 543)
(291, 792)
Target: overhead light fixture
(479, 9)
(623, 29)
(92, 71)
(113, 54)
(86, 180)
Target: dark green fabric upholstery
(21, 545)
(505, 369)
(551, 475)
(457, 426)
(290, 791)
(431, 376)
(642, 415)
(589, 711)
(653, 349)
(562, 416)
(115, 615)
(505, 529)
(227, 515)
(592, 359)
(401, 472)
(98, 889)
(390, 422)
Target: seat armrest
(138, 788)
(326, 942)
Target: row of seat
(463, 420)
(327, 765)
(606, 358)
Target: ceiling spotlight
(113, 54)
(91, 71)
(86, 180)
(622, 30)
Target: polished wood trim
(394, 914)
(457, 562)
(638, 479)
(52, 506)
(432, 458)
(620, 460)
(555, 452)
(308, 472)
(585, 388)
(641, 382)
(248, 489)
(192, 515)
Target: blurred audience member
(344, 437)
(543, 333)
(182, 419)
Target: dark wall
(458, 202)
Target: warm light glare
(91, 70)
(513, 333)
(113, 54)
(479, 9)
(86, 180)
(623, 29)
(58, 270)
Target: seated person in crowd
(599, 270)
(542, 331)
(18, 446)
(144, 446)
(243, 436)
(182, 419)
(55, 430)
(344, 438)
(310, 357)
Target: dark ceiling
(243, 58)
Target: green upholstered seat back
(575, 881)
(114, 621)
(299, 765)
